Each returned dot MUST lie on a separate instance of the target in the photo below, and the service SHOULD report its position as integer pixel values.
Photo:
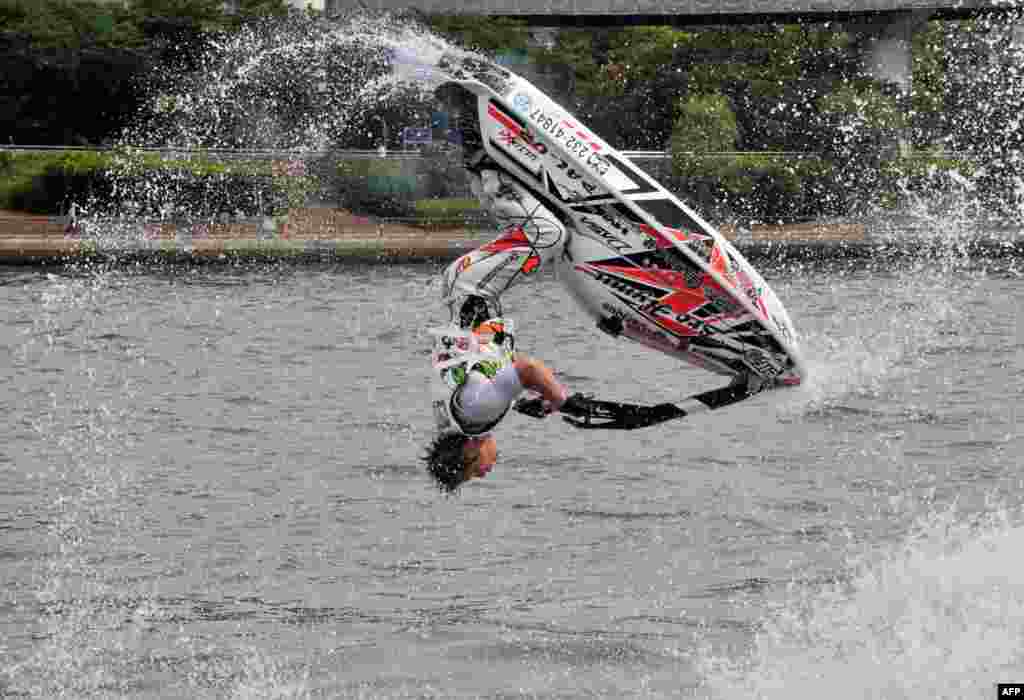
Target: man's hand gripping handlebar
(582, 411)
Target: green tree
(931, 68)
(601, 75)
(206, 14)
(862, 116)
(175, 30)
(251, 10)
(73, 69)
(487, 34)
(772, 75)
(69, 24)
(69, 69)
(863, 125)
(706, 124)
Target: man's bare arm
(536, 376)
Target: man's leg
(532, 238)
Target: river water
(209, 488)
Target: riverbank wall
(326, 233)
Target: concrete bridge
(690, 12)
(886, 27)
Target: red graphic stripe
(504, 120)
(531, 264)
(653, 276)
(720, 264)
(662, 239)
(515, 238)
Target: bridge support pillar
(887, 47)
(886, 51)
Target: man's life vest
(457, 353)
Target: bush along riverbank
(208, 207)
(740, 189)
(331, 234)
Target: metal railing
(351, 153)
(221, 153)
(402, 155)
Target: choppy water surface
(209, 488)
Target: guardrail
(48, 227)
(658, 155)
(222, 153)
(365, 154)
(242, 154)
(27, 237)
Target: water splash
(938, 615)
(298, 86)
(881, 344)
(979, 123)
(78, 607)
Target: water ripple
(682, 514)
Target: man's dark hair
(445, 461)
(474, 311)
